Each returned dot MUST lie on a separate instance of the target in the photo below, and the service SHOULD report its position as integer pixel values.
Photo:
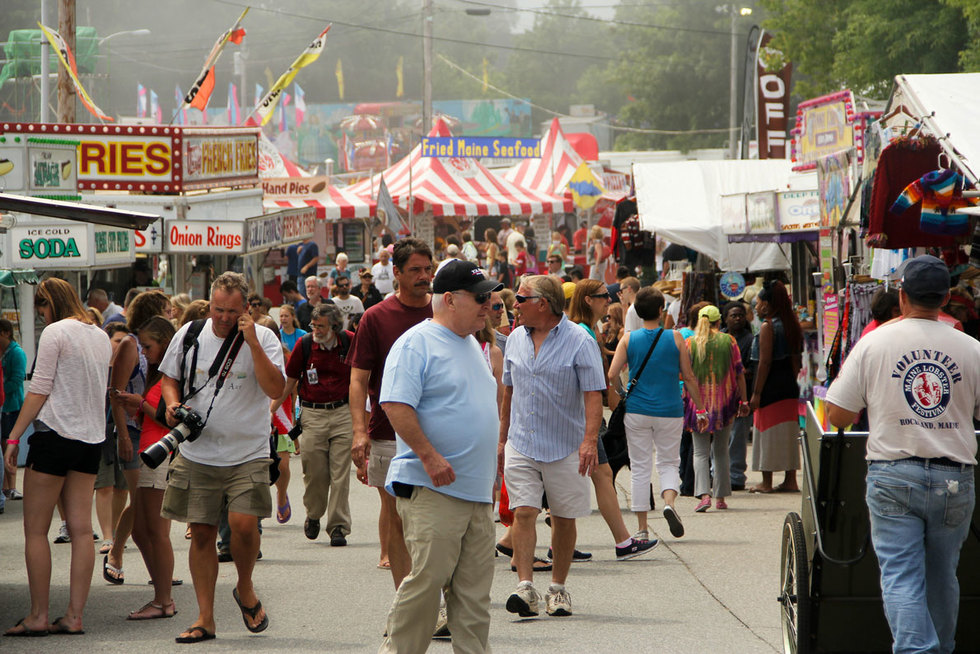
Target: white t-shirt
(632, 322)
(384, 277)
(920, 381)
(72, 369)
(349, 307)
(238, 429)
(513, 238)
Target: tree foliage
(863, 44)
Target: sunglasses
(602, 295)
(254, 304)
(521, 299)
(497, 307)
(40, 302)
(480, 298)
(554, 260)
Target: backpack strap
(190, 341)
(306, 341)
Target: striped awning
(333, 204)
(552, 172)
(457, 187)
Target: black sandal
(252, 612)
(202, 634)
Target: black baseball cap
(925, 279)
(459, 275)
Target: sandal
(58, 628)
(251, 612)
(384, 565)
(760, 489)
(284, 513)
(539, 565)
(106, 546)
(201, 634)
(152, 611)
(24, 631)
(111, 573)
(187, 536)
(782, 488)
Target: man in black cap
(920, 381)
(436, 382)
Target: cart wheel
(794, 579)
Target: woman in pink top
(72, 371)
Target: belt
(323, 405)
(934, 461)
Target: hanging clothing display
(940, 193)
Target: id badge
(311, 376)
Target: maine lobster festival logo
(927, 389)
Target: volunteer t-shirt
(920, 381)
(238, 428)
(351, 306)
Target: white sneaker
(524, 601)
(63, 536)
(559, 603)
(442, 624)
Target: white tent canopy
(681, 202)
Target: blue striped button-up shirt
(547, 410)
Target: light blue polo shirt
(446, 379)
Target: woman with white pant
(657, 360)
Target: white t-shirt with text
(349, 307)
(384, 277)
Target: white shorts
(569, 493)
(150, 478)
(382, 452)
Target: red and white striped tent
(332, 203)
(552, 172)
(457, 187)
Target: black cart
(830, 595)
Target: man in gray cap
(920, 381)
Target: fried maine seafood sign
(155, 158)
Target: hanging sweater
(941, 193)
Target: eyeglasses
(602, 295)
(521, 299)
(554, 260)
(498, 306)
(480, 298)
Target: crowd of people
(375, 369)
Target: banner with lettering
(268, 104)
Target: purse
(614, 438)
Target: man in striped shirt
(549, 427)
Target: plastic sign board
(760, 208)
(798, 211)
(150, 158)
(297, 224)
(476, 146)
(66, 245)
(205, 237)
(287, 188)
(38, 166)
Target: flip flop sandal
(58, 628)
(107, 568)
(503, 549)
(202, 634)
(173, 582)
(539, 565)
(25, 632)
(385, 565)
(284, 514)
(251, 612)
(756, 489)
(106, 546)
(151, 611)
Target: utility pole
(733, 90)
(66, 90)
(426, 66)
(45, 58)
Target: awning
(333, 204)
(457, 187)
(10, 278)
(552, 172)
(77, 211)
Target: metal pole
(45, 58)
(733, 89)
(426, 66)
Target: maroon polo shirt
(333, 373)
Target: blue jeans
(920, 516)
(736, 449)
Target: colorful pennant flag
(586, 188)
(200, 92)
(67, 60)
(181, 116)
(234, 112)
(311, 54)
(282, 111)
(140, 101)
(155, 112)
(300, 104)
(340, 79)
(400, 76)
(259, 92)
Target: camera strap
(225, 359)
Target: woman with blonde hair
(196, 310)
(72, 371)
(717, 366)
(289, 329)
(596, 253)
(180, 303)
(490, 253)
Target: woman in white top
(72, 371)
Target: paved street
(712, 591)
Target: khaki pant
(325, 455)
(451, 544)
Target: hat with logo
(459, 275)
(710, 312)
(925, 279)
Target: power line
(444, 39)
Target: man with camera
(226, 377)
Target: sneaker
(14, 494)
(337, 538)
(442, 625)
(642, 534)
(524, 600)
(224, 556)
(63, 536)
(311, 528)
(703, 505)
(673, 521)
(559, 603)
(721, 505)
(577, 557)
(635, 548)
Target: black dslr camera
(189, 426)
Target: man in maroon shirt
(378, 329)
(318, 368)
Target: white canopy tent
(681, 202)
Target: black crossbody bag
(614, 438)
